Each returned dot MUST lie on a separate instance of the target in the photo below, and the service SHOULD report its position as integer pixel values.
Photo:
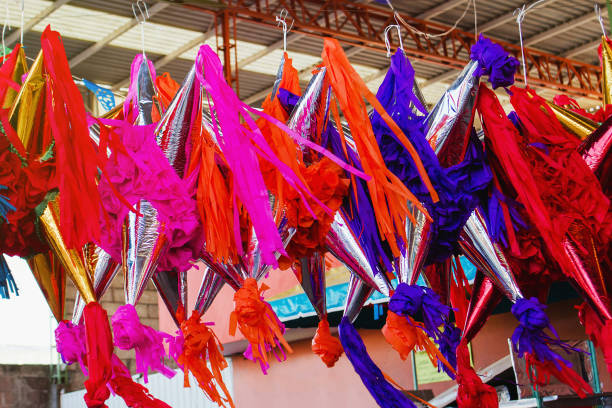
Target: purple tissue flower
(494, 61)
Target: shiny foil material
(21, 67)
(574, 122)
(102, 268)
(418, 238)
(597, 147)
(485, 298)
(450, 122)
(28, 104)
(305, 117)
(344, 245)
(356, 296)
(211, 285)
(279, 77)
(606, 72)
(311, 275)
(232, 275)
(253, 264)
(488, 256)
(173, 128)
(172, 288)
(51, 279)
(69, 258)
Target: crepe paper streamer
(471, 391)
(7, 282)
(141, 171)
(447, 344)
(258, 324)
(241, 145)
(99, 342)
(530, 341)
(599, 333)
(134, 395)
(148, 343)
(494, 61)
(70, 343)
(196, 345)
(76, 159)
(103, 95)
(130, 104)
(389, 196)
(167, 89)
(5, 205)
(381, 390)
(325, 345)
(541, 371)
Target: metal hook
(399, 35)
(282, 20)
(142, 15)
(600, 18)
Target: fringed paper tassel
(147, 342)
(408, 303)
(196, 344)
(258, 324)
(76, 160)
(472, 392)
(134, 395)
(70, 343)
(530, 341)
(325, 345)
(7, 282)
(388, 193)
(385, 394)
(99, 342)
(599, 332)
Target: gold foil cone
(606, 72)
(27, 110)
(21, 67)
(52, 281)
(574, 122)
(70, 259)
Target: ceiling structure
(101, 37)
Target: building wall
(24, 386)
(147, 309)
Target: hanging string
(282, 20)
(142, 15)
(22, 21)
(520, 14)
(399, 19)
(399, 35)
(6, 21)
(600, 18)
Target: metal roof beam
(582, 48)
(166, 59)
(15, 36)
(561, 28)
(92, 49)
(503, 19)
(439, 9)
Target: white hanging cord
(21, 23)
(282, 20)
(600, 18)
(6, 21)
(399, 35)
(399, 19)
(142, 15)
(520, 14)
(475, 20)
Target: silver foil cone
(343, 244)
(311, 275)
(211, 285)
(450, 122)
(103, 269)
(279, 77)
(418, 238)
(356, 296)
(172, 288)
(231, 274)
(488, 256)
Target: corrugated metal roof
(83, 22)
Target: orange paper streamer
(257, 321)
(389, 195)
(325, 345)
